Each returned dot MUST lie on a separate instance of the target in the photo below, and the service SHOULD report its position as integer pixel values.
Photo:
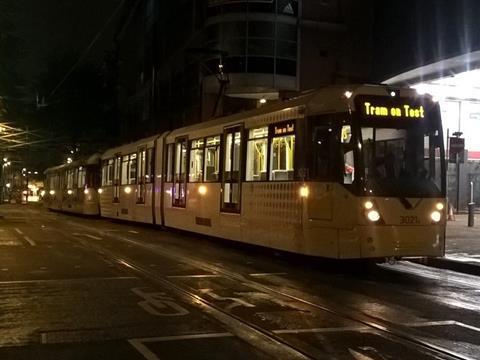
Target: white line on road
(268, 274)
(30, 241)
(194, 276)
(88, 235)
(139, 344)
(18, 231)
(65, 280)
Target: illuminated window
(231, 170)
(81, 177)
(132, 169)
(212, 158)
(257, 154)
(149, 175)
(116, 174)
(282, 151)
(348, 158)
(142, 154)
(180, 169)
(124, 172)
(70, 178)
(169, 177)
(141, 166)
(107, 172)
(196, 161)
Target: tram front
(400, 173)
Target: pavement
(462, 247)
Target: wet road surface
(76, 288)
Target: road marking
(158, 303)
(18, 231)
(322, 330)
(235, 300)
(133, 232)
(139, 344)
(194, 276)
(268, 274)
(13, 282)
(88, 235)
(30, 241)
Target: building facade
(186, 61)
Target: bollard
(471, 213)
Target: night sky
(50, 28)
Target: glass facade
(257, 36)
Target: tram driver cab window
(348, 157)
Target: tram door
(231, 179)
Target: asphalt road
(82, 288)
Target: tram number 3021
(409, 220)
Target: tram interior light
(69, 192)
(436, 216)
(100, 190)
(52, 192)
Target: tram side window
(81, 177)
(257, 154)
(141, 166)
(70, 175)
(323, 147)
(169, 170)
(231, 170)
(212, 159)
(196, 160)
(124, 172)
(179, 188)
(149, 166)
(348, 158)
(132, 169)
(107, 172)
(282, 158)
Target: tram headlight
(69, 192)
(440, 206)
(368, 205)
(304, 191)
(202, 189)
(373, 215)
(127, 190)
(436, 216)
(52, 192)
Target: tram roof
(128, 148)
(91, 160)
(330, 99)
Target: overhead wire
(88, 48)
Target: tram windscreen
(402, 156)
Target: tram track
(398, 333)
